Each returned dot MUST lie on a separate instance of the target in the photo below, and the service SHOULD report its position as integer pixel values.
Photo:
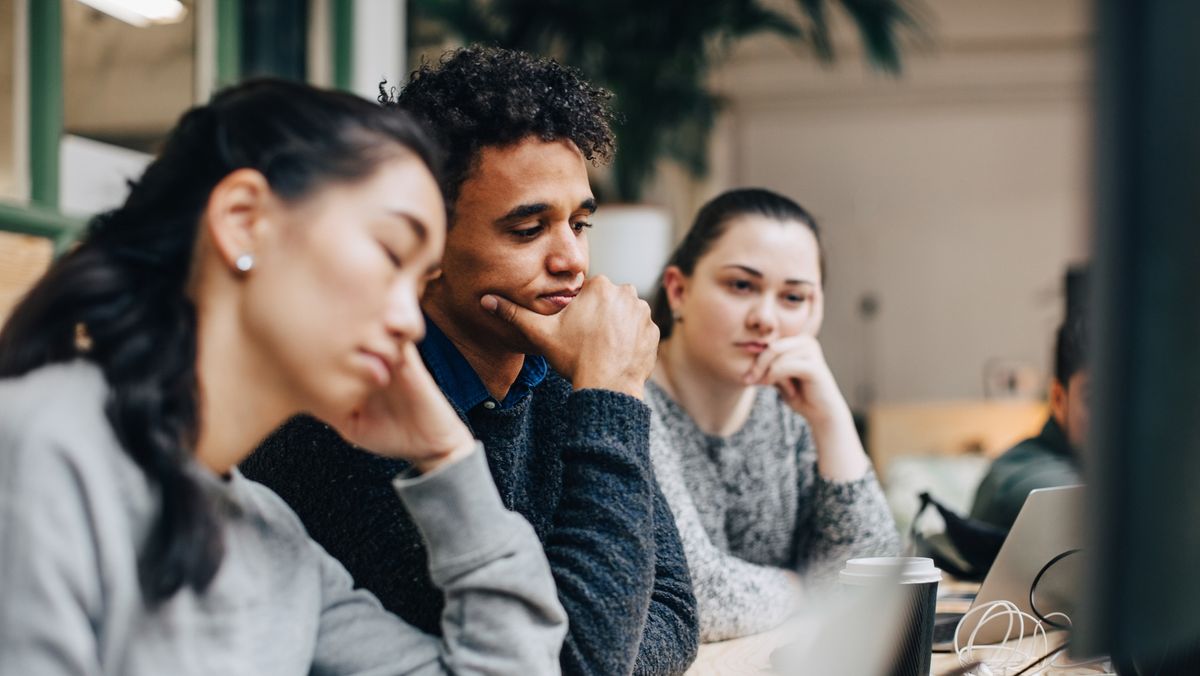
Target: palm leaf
(656, 56)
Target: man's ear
(675, 285)
(235, 216)
(1058, 401)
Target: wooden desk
(751, 655)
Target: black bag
(973, 544)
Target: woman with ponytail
(267, 264)
(753, 444)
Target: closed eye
(391, 255)
(529, 233)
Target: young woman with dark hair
(752, 442)
(267, 264)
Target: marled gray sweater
(74, 510)
(752, 505)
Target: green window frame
(40, 216)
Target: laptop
(1050, 524)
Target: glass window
(9, 182)
(125, 84)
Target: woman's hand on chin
(410, 419)
(796, 367)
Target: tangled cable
(1017, 659)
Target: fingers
(787, 357)
(528, 322)
(789, 388)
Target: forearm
(840, 454)
(502, 613)
(601, 547)
(671, 636)
(847, 519)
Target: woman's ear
(675, 284)
(236, 217)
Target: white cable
(1002, 659)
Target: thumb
(528, 322)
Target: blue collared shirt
(462, 386)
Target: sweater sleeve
(502, 615)
(671, 637)
(48, 564)
(601, 545)
(734, 597)
(838, 520)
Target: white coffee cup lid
(900, 569)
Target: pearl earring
(676, 316)
(244, 263)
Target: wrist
(830, 418)
(632, 387)
(451, 453)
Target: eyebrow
(755, 273)
(523, 211)
(418, 226)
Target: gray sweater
(74, 508)
(752, 506)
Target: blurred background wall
(952, 196)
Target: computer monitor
(1142, 594)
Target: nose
(568, 254)
(403, 319)
(762, 316)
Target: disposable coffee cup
(918, 579)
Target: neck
(240, 400)
(718, 407)
(496, 365)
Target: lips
(379, 365)
(560, 298)
(751, 346)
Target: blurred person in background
(267, 263)
(1053, 457)
(546, 368)
(752, 441)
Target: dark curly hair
(476, 97)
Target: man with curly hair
(545, 367)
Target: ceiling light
(141, 12)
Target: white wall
(956, 196)
(379, 45)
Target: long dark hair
(119, 299)
(711, 222)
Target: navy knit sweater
(575, 464)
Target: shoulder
(306, 453)
(55, 413)
(662, 406)
(553, 387)
(61, 464)
(76, 388)
(1026, 455)
(265, 505)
